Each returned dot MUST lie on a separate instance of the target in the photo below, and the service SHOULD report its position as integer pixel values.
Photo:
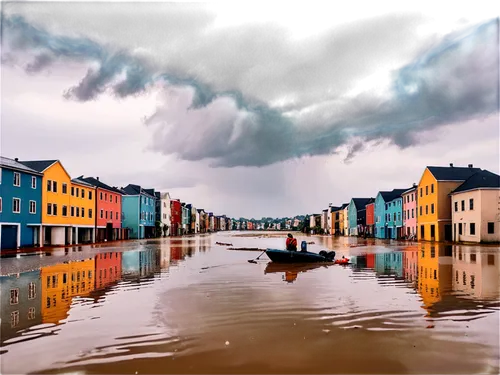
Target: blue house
(389, 214)
(20, 205)
(138, 212)
(357, 216)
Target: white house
(475, 208)
(164, 205)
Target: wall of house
(148, 207)
(410, 212)
(108, 269)
(83, 202)
(475, 273)
(110, 204)
(61, 197)
(130, 209)
(380, 216)
(394, 216)
(346, 221)
(370, 214)
(425, 201)
(25, 193)
(352, 219)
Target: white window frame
(16, 300)
(33, 182)
(31, 313)
(1, 204)
(18, 175)
(31, 290)
(13, 200)
(33, 203)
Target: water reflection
(291, 271)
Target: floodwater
(187, 305)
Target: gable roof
(13, 164)
(97, 183)
(79, 181)
(132, 189)
(452, 173)
(361, 203)
(391, 195)
(38, 165)
(482, 179)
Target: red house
(370, 219)
(108, 211)
(108, 269)
(175, 217)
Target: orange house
(108, 269)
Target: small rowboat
(286, 256)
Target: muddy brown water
(186, 305)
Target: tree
(165, 230)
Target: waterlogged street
(188, 305)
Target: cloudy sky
(252, 109)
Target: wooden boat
(286, 256)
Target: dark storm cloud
(454, 81)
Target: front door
(433, 232)
(9, 237)
(109, 231)
(447, 232)
(422, 232)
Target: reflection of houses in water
(389, 263)
(475, 274)
(140, 263)
(20, 300)
(410, 264)
(165, 255)
(176, 250)
(60, 283)
(108, 269)
(434, 272)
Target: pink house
(410, 213)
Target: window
(116, 215)
(426, 209)
(472, 229)
(54, 186)
(49, 185)
(412, 213)
(17, 179)
(432, 188)
(90, 213)
(491, 226)
(14, 318)
(491, 259)
(463, 205)
(100, 195)
(106, 214)
(77, 211)
(111, 198)
(459, 228)
(72, 191)
(16, 205)
(456, 206)
(432, 208)
(54, 209)
(105, 196)
(102, 213)
(49, 208)
(31, 313)
(473, 258)
(471, 204)
(472, 281)
(31, 291)
(116, 199)
(32, 207)
(65, 188)
(77, 192)
(83, 212)
(65, 278)
(14, 296)
(72, 211)
(33, 182)
(427, 190)
(420, 210)
(433, 252)
(90, 194)
(65, 210)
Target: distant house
(338, 219)
(175, 217)
(434, 200)
(139, 211)
(20, 205)
(410, 213)
(388, 214)
(163, 212)
(475, 208)
(357, 216)
(370, 219)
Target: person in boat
(291, 243)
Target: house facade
(163, 210)
(476, 274)
(410, 213)
(175, 217)
(394, 223)
(357, 216)
(370, 219)
(434, 200)
(139, 211)
(386, 206)
(20, 205)
(475, 206)
(83, 204)
(108, 269)
(108, 210)
(346, 220)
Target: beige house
(475, 208)
(476, 273)
(346, 220)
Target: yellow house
(62, 282)
(434, 202)
(434, 269)
(67, 218)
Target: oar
(256, 259)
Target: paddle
(256, 259)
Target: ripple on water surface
(190, 306)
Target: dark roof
(391, 195)
(38, 165)
(78, 180)
(95, 182)
(361, 203)
(13, 164)
(452, 173)
(344, 205)
(132, 189)
(150, 192)
(482, 179)
(334, 209)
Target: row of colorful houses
(41, 205)
(456, 204)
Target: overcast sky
(252, 109)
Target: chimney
(97, 178)
(414, 185)
(16, 159)
(470, 166)
(451, 165)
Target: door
(433, 231)
(447, 232)
(422, 232)
(109, 231)
(9, 237)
